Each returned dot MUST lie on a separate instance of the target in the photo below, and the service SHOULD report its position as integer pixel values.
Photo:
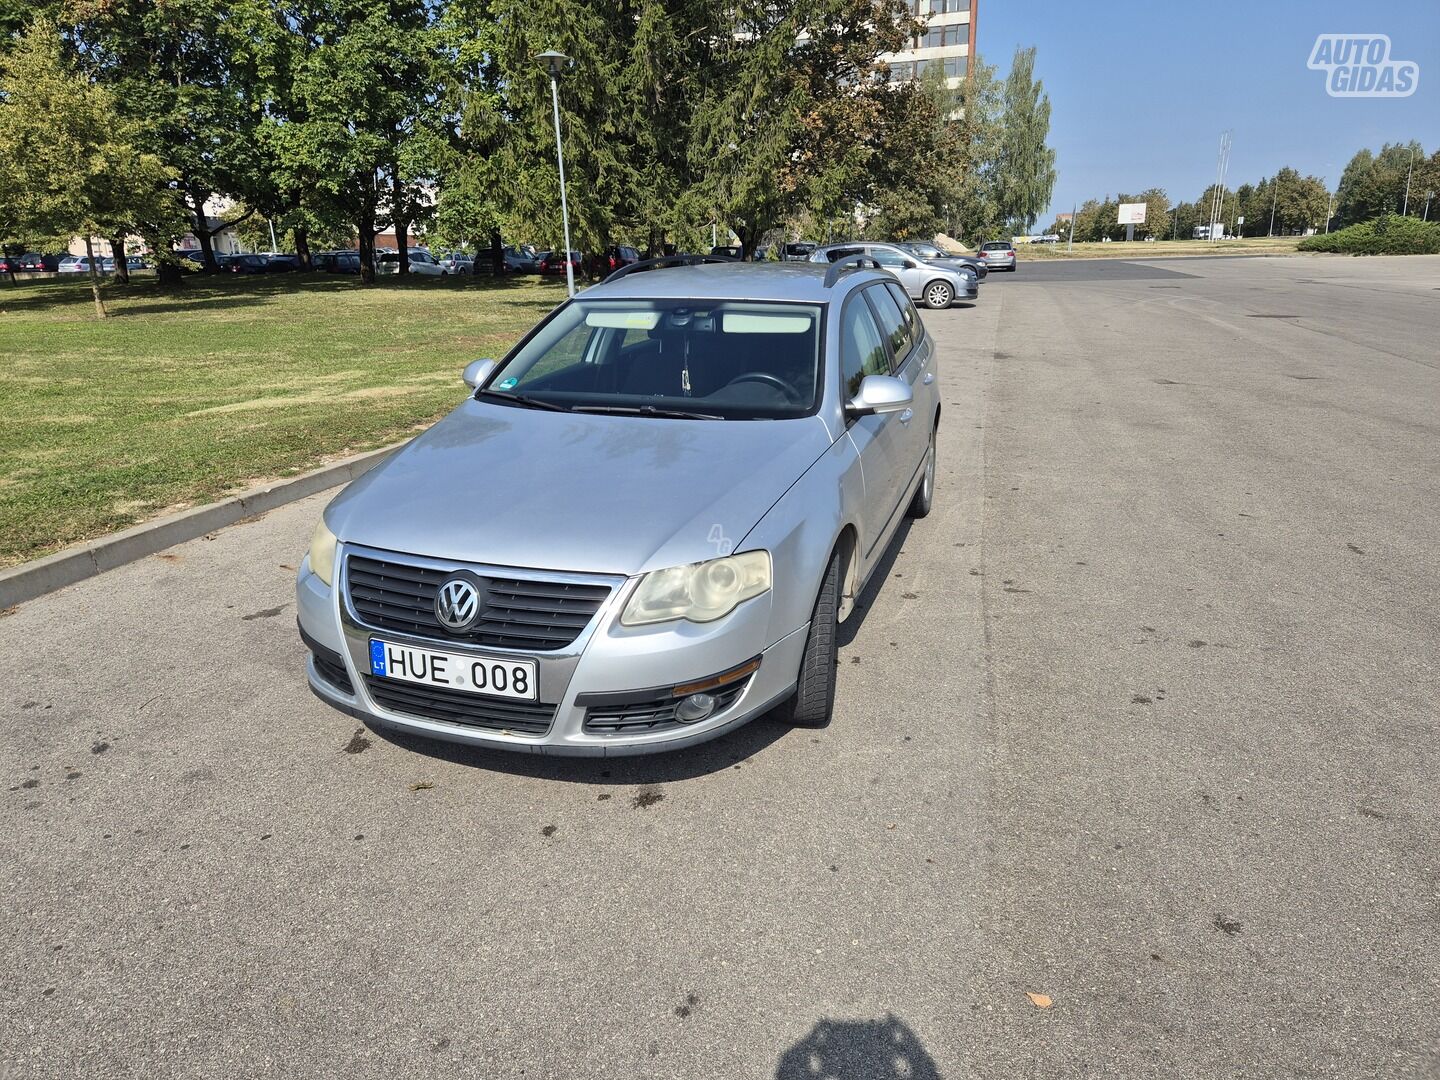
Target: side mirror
(880, 394)
(909, 265)
(477, 371)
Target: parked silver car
(643, 526)
(999, 254)
(934, 253)
(933, 284)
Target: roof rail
(848, 263)
(663, 261)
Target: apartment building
(948, 41)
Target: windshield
(713, 359)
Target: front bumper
(970, 291)
(606, 662)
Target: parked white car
(421, 262)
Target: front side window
(862, 348)
(913, 327)
(712, 359)
(891, 260)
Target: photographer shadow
(884, 1049)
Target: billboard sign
(1132, 213)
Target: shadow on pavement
(217, 292)
(667, 767)
(858, 1050)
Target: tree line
(1372, 185)
(335, 119)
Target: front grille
(458, 707)
(515, 613)
(656, 714)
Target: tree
(975, 212)
(357, 69)
(189, 73)
(1024, 174)
(84, 172)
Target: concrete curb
(29, 580)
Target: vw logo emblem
(457, 603)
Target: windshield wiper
(646, 410)
(521, 399)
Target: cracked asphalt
(1141, 721)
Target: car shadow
(717, 755)
(884, 1049)
(850, 628)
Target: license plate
(489, 676)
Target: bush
(1388, 235)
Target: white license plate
(486, 675)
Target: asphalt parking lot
(1142, 719)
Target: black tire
(938, 295)
(925, 494)
(814, 697)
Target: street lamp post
(555, 63)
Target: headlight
(700, 592)
(322, 552)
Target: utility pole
(1217, 201)
(1274, 194)
(1408, 173)
(1070, 244)
(1428, 196)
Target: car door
(918, 369)
(910, 351)
(902, 266)
(878, 439)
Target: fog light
(695, 707)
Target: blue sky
(1141, 89)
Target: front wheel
(939, 295)
(814, 697)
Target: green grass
(180, 398)
(1140, 249)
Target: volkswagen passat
(643, 526)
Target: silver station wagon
(642, 527)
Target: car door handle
(907, 416)
(929, 378)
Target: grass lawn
(180, 398)
(1140, 249)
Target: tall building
(948, 41)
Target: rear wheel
(939, 294)
(814, 698)
(925, 496)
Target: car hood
(567, 491)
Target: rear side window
(862, 348)
(912, 319)
(892, 322)
(891, 260)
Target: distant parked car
(35, 263)
(933, 253)
(934, 284)
(999, 254)
(136, 262)
(553, 264)
(798, 252)
(613, 258)
(728, 251)
(521, 260)
(78, 264)
(245, 264)
(11, 264)
(456, 262)
(280, 262)
(422, 263)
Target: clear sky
(1140, 90)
